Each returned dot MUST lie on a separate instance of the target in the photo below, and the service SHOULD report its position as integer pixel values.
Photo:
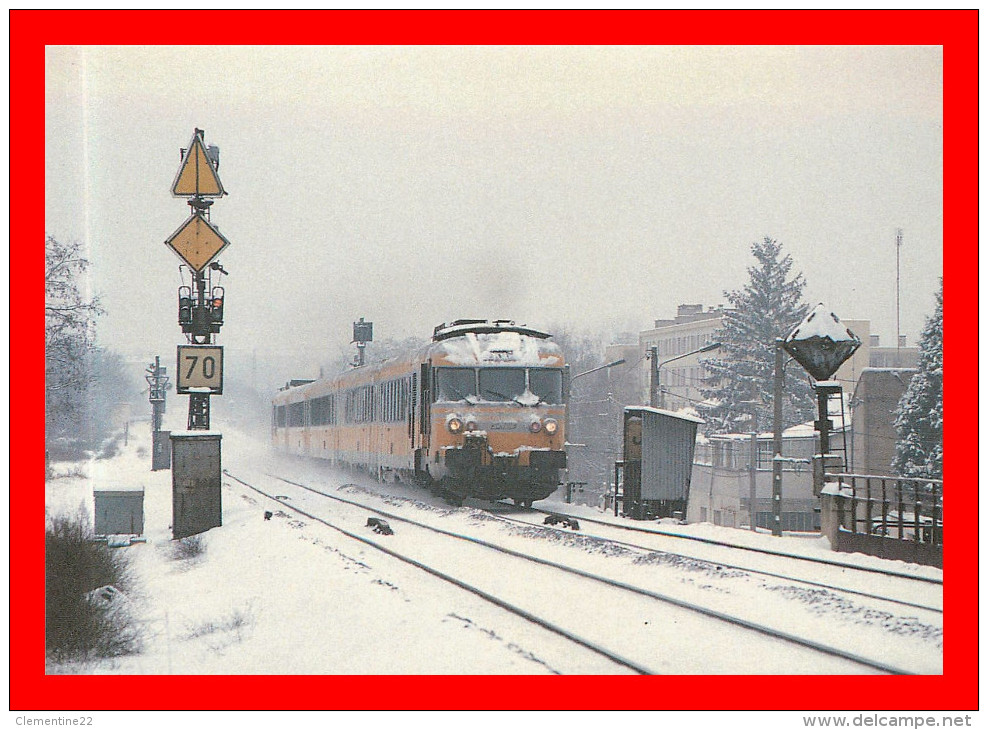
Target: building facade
(873, 407)
(726, 467)
(681, 374)
(901, 356)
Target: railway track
(746, 548)
(740, 565)
(813, 656)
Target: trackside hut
(658, 461)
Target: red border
(956, 31)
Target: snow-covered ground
(289, 596)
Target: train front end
(498, 416)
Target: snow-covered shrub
(76, 627)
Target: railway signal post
(363, 332)
(196, 456)
(157, 380)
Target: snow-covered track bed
(636, 626)
(877, 584)
(283, 501)
(933, 580)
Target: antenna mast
(898, 336)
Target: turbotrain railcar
(478, 412)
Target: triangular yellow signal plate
(196, 242)
(197, 176)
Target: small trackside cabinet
(161, 450)
(119, 510)
(196, 482)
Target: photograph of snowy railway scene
(494, 360)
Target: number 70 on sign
(200, 369)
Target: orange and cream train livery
(478, 412)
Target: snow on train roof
(510, 348)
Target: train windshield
(502, 384)
(455, 384)
(547, 385)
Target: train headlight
(454, 424)
(551, 425)
(535, 426)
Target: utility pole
(752, 477)
(779, 388)
(654, 385)
(657, 397)
(898, 335)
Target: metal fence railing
(901, 508)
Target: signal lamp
(471, 424)
(184, 305)
(535, 426)
(551, 425)
(216, 304)
(454, 424)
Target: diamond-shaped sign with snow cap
(820, 343)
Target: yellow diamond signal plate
(197, 176)
(196, 242)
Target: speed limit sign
(200, 369)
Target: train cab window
(501, 384)
(455, 384)
(546, 384)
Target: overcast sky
(591, 188)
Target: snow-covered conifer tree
(919, 417)
(741, 379)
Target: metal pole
(823, 427)
(777, 441)
(657, 397)
(752, 459)
(653, 398)
(898, 336)
(824, 423)
(615, 489)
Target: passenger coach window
(501, 384)
(547, 385)
(453, 384)
(296, 414)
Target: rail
(756, 627)
(901, 508)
